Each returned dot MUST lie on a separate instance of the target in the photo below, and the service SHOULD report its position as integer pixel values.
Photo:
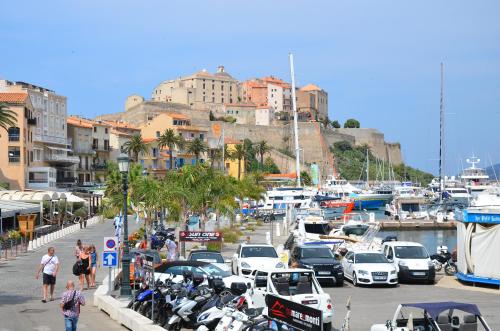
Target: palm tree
(171, 140)
(262, 148)
(196, 147)
(238, 154)
(135, 146)
(8, 117)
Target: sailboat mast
(441, 138)
(295, 122)
(367, 169)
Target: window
(230, 87)
(213, 86)
(213, 99)
(95, 143)
(202, 136)
(222, 87)
(155, 152)
(106, 145)
(38, 177)
(192, 135)
(95, 128)
(222, 100)
(203, 98)
(31, 156)
(203, 85)
(14, 154)
(105, 130)
(157, 134)
(14, 133)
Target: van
(411, 260)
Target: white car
(368, 268)
(297, 285)
(213, 257)
(411, 261)
(249, 257)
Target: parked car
(297, 285)
(321, 259)
(369, 268)
(213, 257)
(411, 260)
(249, 257)
(176, 269)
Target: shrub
(14, 235)
(352, 123)
(260, 223)
(216, 247)
(231, 235)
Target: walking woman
(78, 249)
(93, 265)
(86, 260)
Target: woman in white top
(50, 267)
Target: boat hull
(369, 204)
(349, 205)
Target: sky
(379, 60)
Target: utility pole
(295, 124)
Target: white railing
(62, 158)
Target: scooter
(251, 319)
(134, 303)
(440, 258)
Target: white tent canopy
(33, 196)
(11, 208)
(70, 197)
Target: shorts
(48, 279)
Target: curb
(118, 312)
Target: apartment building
(231, 165)
(16, 145)
(80, 133)
(268, 91)
(202, 90)
(312, 102)
(51, 153)
(181, 124)
(120, 133)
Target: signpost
(149, 279)
(294, 315)
(200, 236)
(110, 256)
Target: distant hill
(491, 170)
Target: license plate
(419, 273)
(379, 278)
(323, 272)
(309, 302)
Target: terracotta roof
(310, 87)
(276, 81)
(78, 120)
(231, 141)
(190, 128)
(290, 175)
(81, 122)
(123, 125)
(254, 84)
(17, 98)
(178, 116)
(120, 133)
(149, 140)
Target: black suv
(321, 259)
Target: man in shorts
(49, 266)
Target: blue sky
(378, 60)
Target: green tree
(135, 146)
(352, 123)
(196, 147)
(305, 178)
(262, 148)
(8, 117)
(335, 124)
(270, 166)
(170, 140)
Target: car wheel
(354, 279)
(327, 326)
(339, 282)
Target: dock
(417, 225)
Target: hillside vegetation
(350, 162)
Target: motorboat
(474, 178)
(457, 196)
(439, 316)
(279, 198)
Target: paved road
(20, 292)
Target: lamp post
(123, 165)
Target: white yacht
(475, 178)
(280, 197)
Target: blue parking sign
(109, 259)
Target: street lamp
(123, 165)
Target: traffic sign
(109, 259)
(110, 244)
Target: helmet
(198, 279)
(187, 274)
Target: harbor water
(429, 238)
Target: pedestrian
(144, 242)
(172, 249)
(118, 221)
(93, 265)
(50, 267)
(78, 249)
(86, 260)
(71, 301)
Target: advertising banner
(200, 236)
(296, 316)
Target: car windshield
(316, 252)
(258, 251)
(207, 257)
(215, 271)
(411, 252)
(370, 258)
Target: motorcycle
(135, 303)
(251, 319)
(440, 259)
(160, 235)
(450, 267)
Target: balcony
(99, 167)
(101, 148)
(62, 159)
(31, 121)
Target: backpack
(77, 268)
(68, 305)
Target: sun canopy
(436, 308)
(11, 208)
(70, 197)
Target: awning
(11, 208)
(70, 197)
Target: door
(234, 260)
(348, 263)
